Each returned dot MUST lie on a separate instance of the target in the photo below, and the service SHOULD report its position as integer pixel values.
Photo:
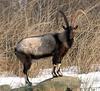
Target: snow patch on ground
(90, 80)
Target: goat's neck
(62, 38)
(65, 39)
(69, 41)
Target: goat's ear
(75, 27)
(64, 27)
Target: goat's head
(68, 28)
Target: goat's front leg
(56, 70)
(59, 70)
(56, 65)
(57, 57)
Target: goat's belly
(38, 46)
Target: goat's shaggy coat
(55, 45)
(37, 45)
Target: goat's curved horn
(73, 18)
(65, 18)
(76, 15)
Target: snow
(89, 81)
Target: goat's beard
(70, 42)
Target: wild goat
(36, 47)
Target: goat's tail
(17, 53)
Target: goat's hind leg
(26, 67)
(26, 61)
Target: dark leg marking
(59, 70)
(56, 61)
(54, 71)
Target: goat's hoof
(60, 75)
(28, 83)
(55, 76)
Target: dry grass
(18, 21)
